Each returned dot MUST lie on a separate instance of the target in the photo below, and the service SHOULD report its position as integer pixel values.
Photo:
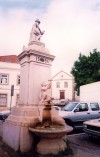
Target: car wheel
(69, 122)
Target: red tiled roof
(9, 59)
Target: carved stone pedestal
(16, 128)
(48, 146)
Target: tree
(86, 69)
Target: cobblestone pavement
(83, 146)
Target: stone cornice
(36, 48)
(36, 53)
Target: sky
(71, 27)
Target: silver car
(75, 113)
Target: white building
(90, 92)
(63, 86)
(9, 75)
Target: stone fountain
(52, 128)
(33, 115)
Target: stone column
(35, 63)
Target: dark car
(75, 113)
(92, 127)
(4, 114)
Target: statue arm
(41, 32)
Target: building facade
(63, 86)
(9, 75)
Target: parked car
(92, 127)
(56, 101)
(60, 102)
(75, 113)
(4, 114)
(56, 107)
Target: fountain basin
(56, 131)
(51, 138)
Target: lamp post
(12, 94)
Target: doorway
(62, 95)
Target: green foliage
(86, 69)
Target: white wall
(13, 70)
(90, 92)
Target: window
(3, 99)
(83, 107)
(18, 79)
(65, 84)
(94, 106)
(3, 78)
(70, 106)
(58, 84)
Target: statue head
(38, 21)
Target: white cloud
(15, 29)
(71, 27)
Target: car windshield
(70, 106)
